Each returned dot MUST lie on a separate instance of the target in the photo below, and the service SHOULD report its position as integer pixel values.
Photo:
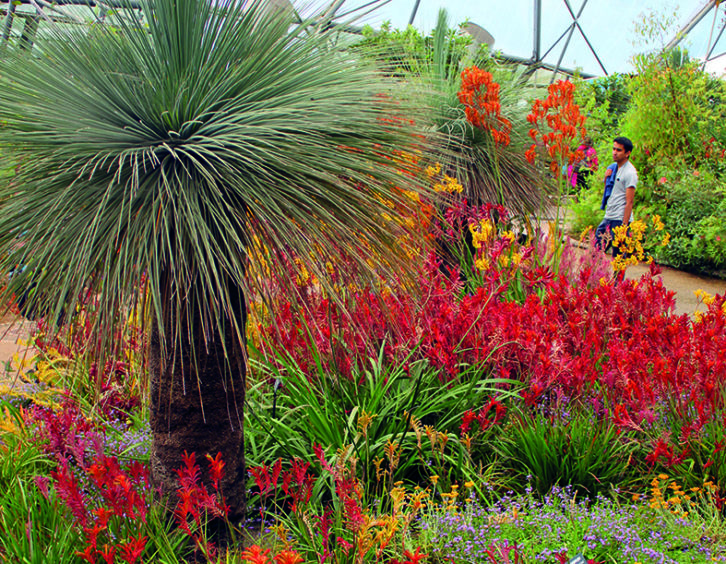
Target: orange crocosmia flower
(557, 122)
(479, 95)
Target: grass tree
(490, 170)
(159, 152)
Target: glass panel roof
(608, 25)
(603, 40)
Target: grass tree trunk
(197, 399)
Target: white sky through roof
(608, 24)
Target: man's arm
(629, 199)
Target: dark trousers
(604, 235)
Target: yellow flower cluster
(704, 296)
(364, 421)
(449, 184)
(485, 231)
(707, 299)
(446, 183)
(451, 497)
(631, 242)
(482, 232)
(482, 263)
(432, 171)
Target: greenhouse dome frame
(335, 12)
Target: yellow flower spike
(364, 422)
(398, 495)
(281, 532)
(662, 476)
(418, 500)
(379, 473)
(443, 439)
(469, 484)
(619, 264)
(431, 434)
(434, 479)
(21, 363)
(707, 299)
(466, 441)
(393, 454)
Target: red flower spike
(216, 469)
(255, 555)
(108, 554)
(132, 550)
(414, 557)
(288, 557)
(89, 555)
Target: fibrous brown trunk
(197, 401)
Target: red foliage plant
(196, 504)
(109, 503)
(619, 346)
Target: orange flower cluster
(557, 122)
(480, 96)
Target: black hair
(625, 142)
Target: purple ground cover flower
(559, 523)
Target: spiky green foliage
(431, 67)
(489, 172)
(157, 147)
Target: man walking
(620, 181)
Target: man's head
(622, 147)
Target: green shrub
(693, 208)
(565, 448)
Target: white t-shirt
(626, 177)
